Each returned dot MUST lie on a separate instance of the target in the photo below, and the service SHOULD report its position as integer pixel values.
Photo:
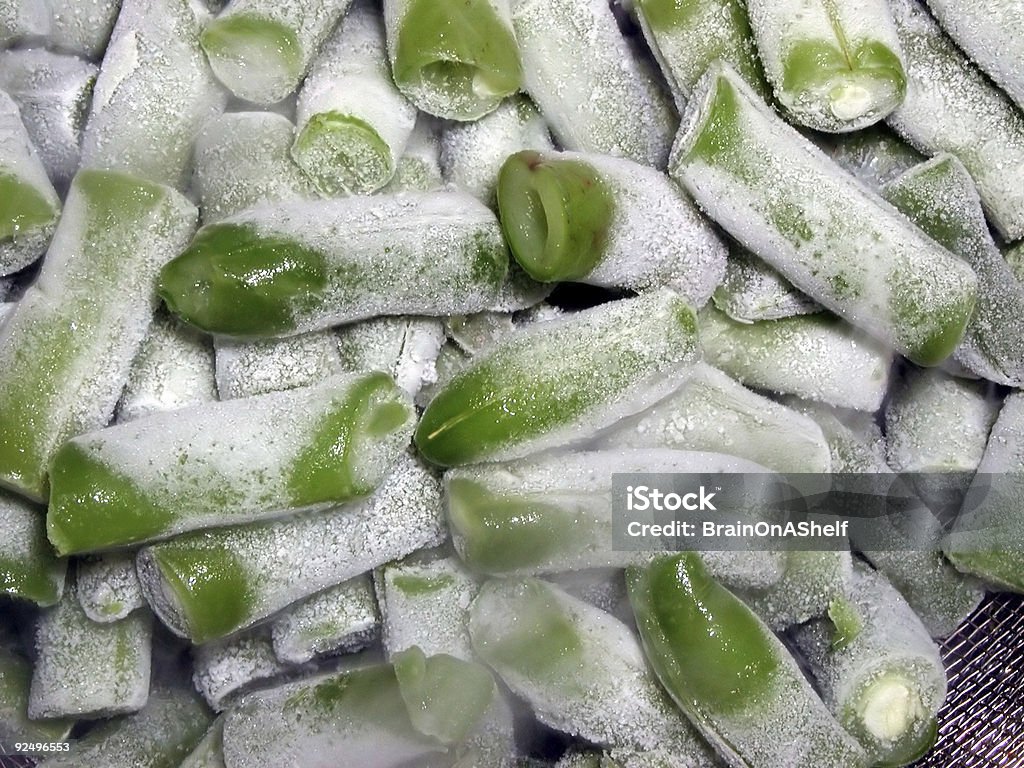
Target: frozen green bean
(208, 584)
(952, 107)
(835, 65)
(66, 351)
(88, 670)
(209, 752)
(249, 368)
(294, 267)
(261, 49)
(72, 26)
(108, 587)
(29, 206)
(234, 461)
(941, 199)
(560, 381)
(352, 123)
(818, 357)
(340, 619)
(712, 412)
(730, 674)
(29, 568)
(875, 155)
(592, 85)
(453, 58)
(52, 91)
(153, 93)
(224, 669)
(15, 725)
(687, 37)
(824, 231)
(987, 539)
(419, 167)
(405, 347)
(606, 221)
(879, 671)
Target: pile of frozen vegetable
(326, 324)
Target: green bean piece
(730, 674)
(15, 681)
(67, 349)
(29, 568)
(941, 199)
(453, 58)
(833, 238)
(561, 381)
(987, 539)
(227, 462)
(835, 65)
(880, 673)
(261, 49)
(293, 267)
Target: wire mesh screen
(982, 722)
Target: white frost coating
(825, 231)
(288, 560)
(96, 296)
(752, 291)
(419, 167)
(341, 619)
(713, 412)
(817, 357)
(603, 588)
(53, 92)
(351, 80)
(941, 197)
(152, 95)
(20, 160)
(597, 686)
(595, 91)
(224, 668)
(248, 368)
(937, 423)
(427, 605)
(266, 65)
(108, 587)
(174, 369)
(414, 253)
(233, 461)
(22, 20)
(810, 580)
(952, 107)
(854, 97)
(242, 159)
(472, 153)
(575, 491)
(84, 669)
(208, 753)
(405, 347)
(891, 650)
(876, 155)
(991, 32)
(81, 27)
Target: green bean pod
(730, 674)
(560, 381)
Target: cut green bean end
(343, 155)
(22, 209)
(555, 214)
(234, 282)
(1000, 567)
(502, 535)
(455, 58)
(205, 591)
(842, 90)
(258, 59)
(890, 714)
(92, 508)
